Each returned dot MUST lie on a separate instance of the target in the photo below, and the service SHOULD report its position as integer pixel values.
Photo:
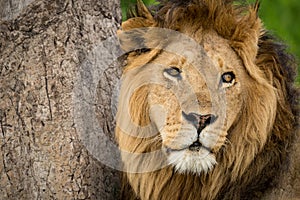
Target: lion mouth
(195, 158)
(195, 147)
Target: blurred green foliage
(127, 4)
(278, 16)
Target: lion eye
(173, 71)
(228, 77)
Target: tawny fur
(259, 141)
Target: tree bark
(43, 46)
(11, 8)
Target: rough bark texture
(11, 8)
(41, 51)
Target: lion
(208, 108)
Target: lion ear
(133, 33)
(142, 18)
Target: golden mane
(261, 139)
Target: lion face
(199, 112)
(191, 104)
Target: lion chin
(188, 161)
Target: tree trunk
(9, 9)
(47, 48)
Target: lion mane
(260, 140)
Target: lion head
(205, 101)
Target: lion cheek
(178, 136)
(175, 143)
(220, 143)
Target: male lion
(207, 107)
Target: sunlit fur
(257, 144)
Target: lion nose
(199, 121)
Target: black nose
(199, 121)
